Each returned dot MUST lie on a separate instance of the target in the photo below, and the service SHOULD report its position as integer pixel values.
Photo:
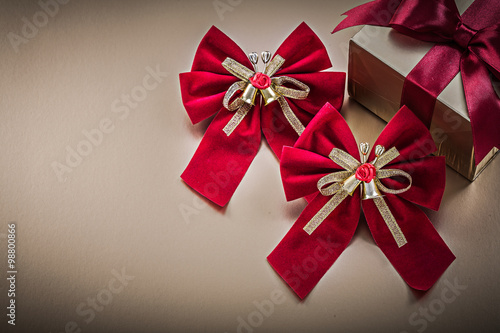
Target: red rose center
(260, 81)
(366, 172)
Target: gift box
(381, 58)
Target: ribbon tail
(425, 257)
(302, 259)
(428, 79)
(237, 118)
(325, 211)
(378, 12)
(290, 116)
(483, 104)
(221, 161)
(390, 221)
(276, 128)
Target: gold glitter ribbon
(341, 184)
(276, 89)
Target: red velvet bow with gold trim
(394, 177)
(222, 82)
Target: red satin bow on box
(397, 175)
(292, 88)
(469, 44)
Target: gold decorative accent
(364, 148)
(386, 173)
(350, 184)
(238, 102)
(370, 190)
(386, 157)
(249, 94)
(390, 221)
(237, 69)
(290, 116)
(274, 65)
(332, 178)
(289, 92)
(275, 92)
(269, 94)
(326, 210)
(343, 159)
(341, 184)
(236, 119)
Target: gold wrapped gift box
(379, 60)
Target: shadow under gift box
(379, 60)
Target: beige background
(121, 207)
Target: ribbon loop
(300, 93)
(237, 69)
(333, 180)
(275, 92)
(274, 65)
(344, 160)
(387, 173)
(238, 102)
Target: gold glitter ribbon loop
(341, 184)
(344, 160)
(238, 102)
(276, 91)
(386, 173)
(237, 69)
(300, 93)
(274, 65)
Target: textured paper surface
(196, 268)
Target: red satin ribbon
(303, 259)
(221, 161)
(469, 43)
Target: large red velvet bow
(469, 43)
(222, 159)
(420, 255)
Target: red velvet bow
(221, 160)
(302, 258)
(469, 43)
